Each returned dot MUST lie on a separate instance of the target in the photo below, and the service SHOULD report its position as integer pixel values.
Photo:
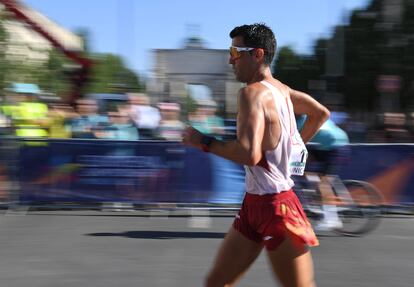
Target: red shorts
(270, 218)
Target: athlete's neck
(262, 74)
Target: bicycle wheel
(360, 213)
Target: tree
(51, 76)
(296, 70)
(362, 59)
(287, 66)
(407, 57)
(373, 46)
(110, 75)
(3, 60)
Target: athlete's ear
(260, 53)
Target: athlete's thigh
(292, 264)
(234, 257)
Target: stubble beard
(239, 78)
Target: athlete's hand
(192, 137)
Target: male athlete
(271, 216)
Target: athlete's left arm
(317, 114)
(247, 148)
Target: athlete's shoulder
(254, 87)
(279, 86)
(253, 91)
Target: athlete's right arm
(316, 113)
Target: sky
(133, 28)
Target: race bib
(298, 157)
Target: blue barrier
(390, 167)
(89, 171)
(86, 171)
(101, 171)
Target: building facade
(175, 69)
(26, 45)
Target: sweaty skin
(259, 130)
(258, 127)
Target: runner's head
(256, 35)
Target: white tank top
(273, 173)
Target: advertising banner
(101, 171)
(89, 171)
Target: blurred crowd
(388, 127)
(26, 115)
(135, 118)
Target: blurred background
(85, 85)
(94, 96)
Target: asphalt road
(88, 248)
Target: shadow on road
(147, 234)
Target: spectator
(394, 126)
(198, 120)
(30, 117)
(5, 123)
(170, 127)
(215, 123)
(88, 120)
(410, 124)
(205, 119)
(145, 117)
(26, 113)
(59, 116)
(120, 127)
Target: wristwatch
(206, 142)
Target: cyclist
(330, 150)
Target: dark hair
(257, 35)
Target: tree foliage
(52, 77)
(110, 75)
(296, 70)
(3, 62)
(373, 46)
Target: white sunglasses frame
(241, 49)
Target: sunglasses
(235, 52)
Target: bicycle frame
(359, 211)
